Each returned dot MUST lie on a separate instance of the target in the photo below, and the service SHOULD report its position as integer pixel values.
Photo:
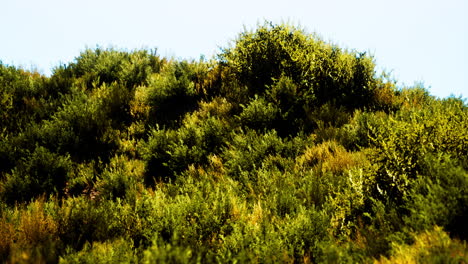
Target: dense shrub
(259, 114)
(118, 251)
(82, 220)
(42, 172)
(321, 71)
(439, 197)
(120, 179)
(169, 152)
(95, 67)
(248, 150)
(172, 92)
(25, 98)
(403, 142)
(86, 125)
(284, 148)
(431, 246)
(29, 233)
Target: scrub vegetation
(282, 148)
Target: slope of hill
(284, 148)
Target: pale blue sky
(419, 41)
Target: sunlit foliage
(283, 148)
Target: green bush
(258, 114)
(42, 172)
(322, 72)
(95, 67)
(431, 246)
(171, 93)
(25, 99)
(439, 197)
(403, 142)
(167, 253)
(305, 233)
(170, 152)
(84, 220)
(117, 251)
(249, 149)
(81, 127)
(120, 179)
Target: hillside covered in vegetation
(282, 148)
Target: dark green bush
(120, 179)
(172, 93)
(439, 196)
(249, 149)
(259, 114)
(169, 152)
(41, 172)
(85, 220)
(81, 127)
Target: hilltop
(282, 148)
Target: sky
(418, 41)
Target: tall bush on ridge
(94, 67)
(24, 98)
(322, 72)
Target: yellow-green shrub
(431, 246)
